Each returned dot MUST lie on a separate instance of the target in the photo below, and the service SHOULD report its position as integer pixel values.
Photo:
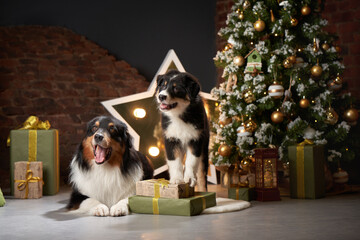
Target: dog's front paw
(190, 178)
(119, 209)
(100, 210)
(176, 180)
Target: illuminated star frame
(149, 127)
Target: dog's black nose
(99, 137)
(162, 97)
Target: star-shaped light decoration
(139, 112)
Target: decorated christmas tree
(282, 83)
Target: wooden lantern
(266, 183)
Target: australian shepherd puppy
(185, 127)
(105, 169)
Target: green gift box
(37, 145)
(243, 193)
(307, 176)
(169, 206)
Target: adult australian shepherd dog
(185, 127)
(105, 169)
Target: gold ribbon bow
(24, 184)
(300, 167)
(32, 123)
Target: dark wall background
(139, 32)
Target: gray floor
(335, 217)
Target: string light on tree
(294, 22)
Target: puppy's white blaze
(181, 130)
(104, 182)
(175, 170)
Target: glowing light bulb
(139, 113)
(154, 151)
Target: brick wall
(60, 76)
(344, 21)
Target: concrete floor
(335, 217)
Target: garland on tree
(282, 83)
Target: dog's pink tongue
(100, 154)
(164, 106)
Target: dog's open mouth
(101, 154)
(164, 106)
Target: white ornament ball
(276, 91)
(309, 133)
(299, 62)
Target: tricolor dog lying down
(105, 169)
(185, 127)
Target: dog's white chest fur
(105, 183)
(180, 130)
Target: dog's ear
(192, 86)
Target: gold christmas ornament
(316, 70)
(315, 47)
(239, 60)
(248, 96)
(272, 16)
(276, 90)
(333, 86)
(277, 116)
(227, 47)
(331, 116)
(338, 49)
(242, 131)
(351, 115)
(325, 46)
(292, 59)
(224, 150)
(338, 80)
(287, 63)
(294, 22)
(305, 10)
(304, 103)
(241, 15)
(225, 121)
(245, 164)
(259, 25)
(246, 4)
(250, 125)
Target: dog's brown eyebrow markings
(97, 123)
(111, 124)
(166, 82)
(174, 85)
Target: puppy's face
(175, 91)
(106, 140)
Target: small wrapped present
(161, 188)
(28, 180)
(243, 193)
(169, 206)
(36, 142)
(307, 176)
(2, 199)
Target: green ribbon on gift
(300, 166)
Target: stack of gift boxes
(34, 160)
(158, 196)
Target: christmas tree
(282, 83)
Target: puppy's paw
(100, 210)
(190, 178)
(119, 209)
(178, 180)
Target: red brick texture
(60, 76)
(344, 21)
